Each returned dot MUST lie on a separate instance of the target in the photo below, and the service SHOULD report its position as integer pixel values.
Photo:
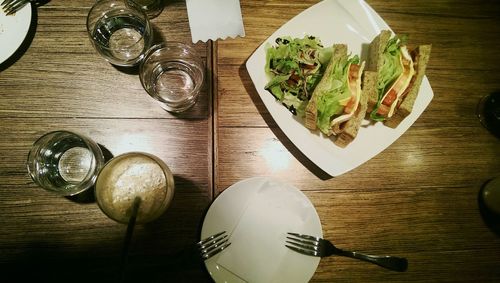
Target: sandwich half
(337, 105)
(399, 76)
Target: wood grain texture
(57, 81)
(417, 198)
(38, 225)
(60, 68)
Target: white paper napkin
(214, 19)
(257, 248)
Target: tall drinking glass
(119, 31)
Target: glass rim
(163, 45)
(90, 176)
(168, 44)
(170, 183)
(133, 8)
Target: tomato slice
(401, 84)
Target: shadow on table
(249, 87)
(161, 251)
(182, 262)
(38, 3)
(40, 264)
(43, 262)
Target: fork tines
(12, 6)
(6, 2)
(213, 245)
(303, 244)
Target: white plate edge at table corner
(242, 189)
(317, 153)
(24, 15)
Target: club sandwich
(399, 76)
(337, 105)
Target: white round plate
(226, 212)
(13, 30)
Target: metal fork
(315, 246)
(213, 245)
(12, 6)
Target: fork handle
(390, 262)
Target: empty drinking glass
(64, 162)
(172, 73)
(120, 31)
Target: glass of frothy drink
(132, 175)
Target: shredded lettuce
(295, 66)
(335, 93)
(389, 73)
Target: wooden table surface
(417, 198)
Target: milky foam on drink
(126, 178)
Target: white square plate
(354, 23)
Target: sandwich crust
(375, 62)
(423, 53)
(339, 51)
(351, 127)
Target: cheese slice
(355, 90)
(392, 96)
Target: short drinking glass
(64, 162)
(173, 74)
(120, 31)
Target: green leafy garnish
(295, 66)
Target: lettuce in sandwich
(395, 72)
(337, 97)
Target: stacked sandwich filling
(395, 78)
(354, 82)
(338, 101)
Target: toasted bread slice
(351, 127)
(339, 51)
(375, 62)
(423, 53)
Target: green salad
(295, 66)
